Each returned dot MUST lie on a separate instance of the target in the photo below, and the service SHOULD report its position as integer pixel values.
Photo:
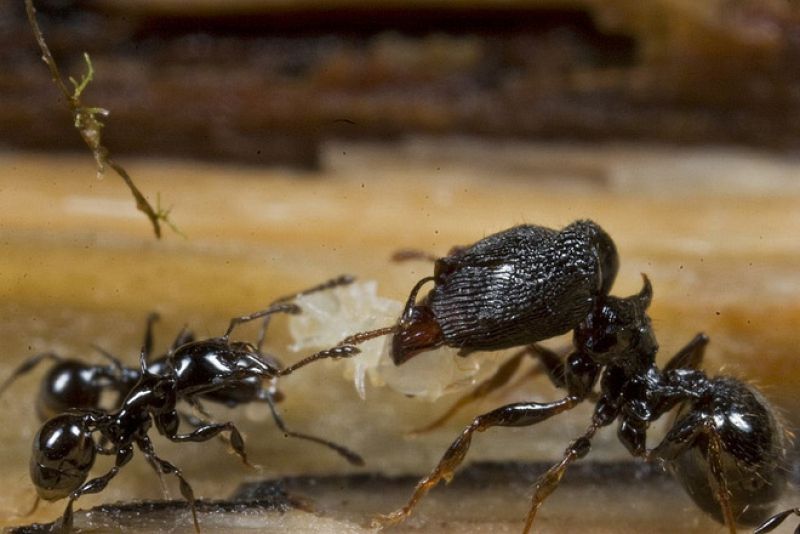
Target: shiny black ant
(527, 284)
(216, 369)
(72, 383)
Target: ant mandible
(71, 383)
(529, 283)
(65, 447)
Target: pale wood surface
(717, 231)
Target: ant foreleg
(28, 365)
(94, 485)
(167, 468)
(293, 309)
(342, 280)
(352, 457)
(514, 415)
(773, 522)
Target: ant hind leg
(352, 457)
(514, 415)
(28, 365)
(167, 468)
(95, 485)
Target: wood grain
(715, 229)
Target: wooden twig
(88, 122)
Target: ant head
(63, 454)
(618, 328)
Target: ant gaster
(529, 283)
(65, 447)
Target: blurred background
(297, 140)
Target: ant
(71, 383)
(529, 283)
(726, 446)
(232, 372)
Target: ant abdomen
(752, 444)
(68, 384)
(63, 454)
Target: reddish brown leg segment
(519, 414)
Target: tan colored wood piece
(716, 230)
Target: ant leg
(95, 485)
(352, 457)
(548, 482)
(342, 280)
(773, 522)
(681, 437)
(340, 351)
(146, 446)
(409, 254)
(552, 363)
(28, 365)
(207, 431)
(690, 356)
(147, 343)
(197, 422)
(293, 309)
(115, 362)
(718, 474)
(184, 336)
(518, 414)
(494, 382)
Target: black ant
(217, 369)
(726, 446)
(71, 383)
(529, 283)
